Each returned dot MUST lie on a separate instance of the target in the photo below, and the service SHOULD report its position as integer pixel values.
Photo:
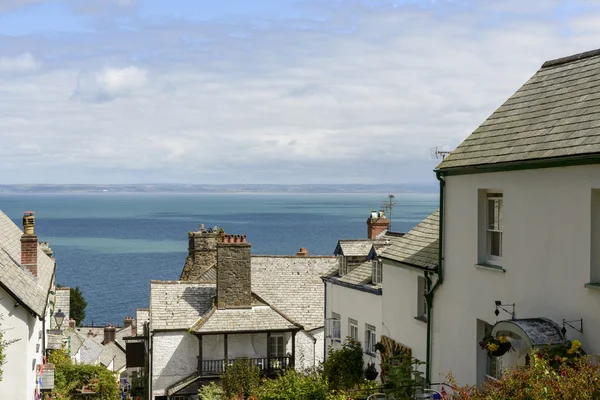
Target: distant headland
(418, 187)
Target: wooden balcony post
(225, 348)
(293, 360)
(268, 352)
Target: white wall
(22, 357)
(174, 357)
(364, 307)
(546, 254)
(400, 308)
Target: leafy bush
(71, 378)
(344, 368)
(575, 378)
(293, 385)
(403, 375)
(240, 379)
(212, 391)
(59, 357)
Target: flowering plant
(561, 354)
(496, 347)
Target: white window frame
(498, 198)
(335, 327)
(277, 343)
(343, 265)
(353, 329)
(370, 339)
(421, 301)
(377, 271)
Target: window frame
(353, 326)
(277, 342)
(335, 322)
(370, 339)
(494, 196)
(376, 271)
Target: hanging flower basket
(371, 372)
(496, 347)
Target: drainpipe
(440, 277)
(325, 324)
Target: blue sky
(238, 91)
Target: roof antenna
(437, 153)
(389, 205)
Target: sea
(112, 245)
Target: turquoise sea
(111, 245)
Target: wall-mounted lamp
(59, 318)
(568, 323)
(501, 306)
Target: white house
(408, 263)
(353, 291)
(26, 281)
(520, 213)
(268, 309)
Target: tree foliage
(59, 357)
(240, 379)
(293, 385)
(71, 378)
(344, 368)
(78, 305)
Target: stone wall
(174, 357)
(233, 275)
(202, 255)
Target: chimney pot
(29, 244)
(303, 252)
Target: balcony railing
(267, 366)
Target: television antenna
(389, 205)
(437, 153)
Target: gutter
(440, 277)
(325, 324)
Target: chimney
(234, 283)
(202, 253)
(90, 334)
(72, 323)
(129, 321)
(303, 252)
(376, 224)
(110, 333)
(45, 246)
(29, 243)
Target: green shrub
(69, 378)
(574, 378)
(212, 391)
(344, 368)
(240, 379)
(293, 385)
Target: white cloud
(19, 64)
(110, 83)
(359, 95)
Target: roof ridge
(571, 58)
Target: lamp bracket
(501, 307)
(568, 323)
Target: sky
(263, 91)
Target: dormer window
(377, 271)
(343, 264)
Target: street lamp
(59, 318)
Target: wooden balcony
(268, 366)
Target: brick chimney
(72, 323)
(234, 283)
(110, 332)
(303, 252)
(29, 244)
(377, 223)
(202, 253)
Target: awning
(535, 332)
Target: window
(421, 301)
(277, 345)
(343, 264)
(353, 329)
(377, 271)
(370, 339)
(335, 327)
(495, 218)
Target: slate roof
(293, 285)
(31, 291)
(178, 305)
(555, 114)
(256, 319)
(354, 248)
(112, 352)
(76, 340)
(62, 302)
(90, 351)
(361, 275)
(120, 334)
(419, 247)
